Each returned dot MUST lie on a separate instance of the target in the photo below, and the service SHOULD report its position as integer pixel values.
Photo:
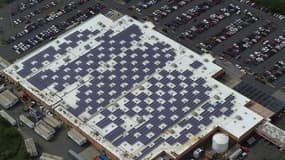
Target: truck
(26, 121)
(76, 137)
(75, 155)
(103, 156)
(44, 130)
(8, 99)
(7, 117)
(31, 147)
(235, 154)
(49, 119)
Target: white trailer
(8, 99)
(26, 121)
(7, 117)
(47, 156)
(76, 137)
(44, 130)
(52, 121)
(31, 147)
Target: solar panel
(103, 123)
(115, 69)
(171, 140)
(196, 64)
(114, 134)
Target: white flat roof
(132, 89)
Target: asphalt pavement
(59, 145)
(264, 150)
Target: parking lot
(246, 36)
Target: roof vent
(238, 117)
(125, 154)
(217, 97)
(16, 67)
(140, 119)
(172, 131)
(174, 65)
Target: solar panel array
(50, 54)
(136, 70)
(113, 48)
(124, 71)
(159, 103)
